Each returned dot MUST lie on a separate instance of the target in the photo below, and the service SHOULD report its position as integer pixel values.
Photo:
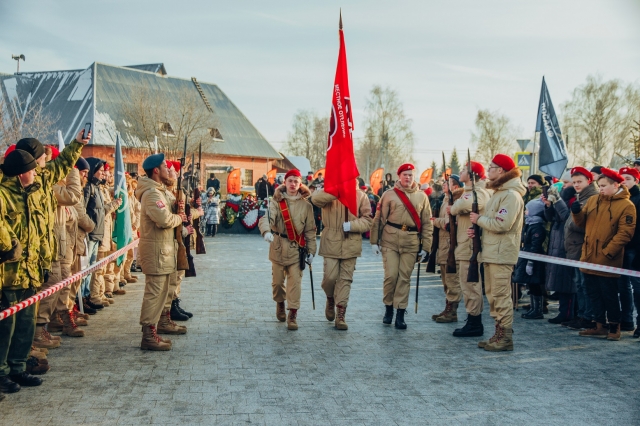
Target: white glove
(422, 255)
(346, 226)
(375, 249)
(268, 237)
(309, 258)
(529, 268)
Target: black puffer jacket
(533, 237)
(93, 200)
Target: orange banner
(271, 175)
(315, 175)
(234, 182)
(375, 179)
(426, 176)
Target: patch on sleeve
(160, 204)
(467, 196)
(629, 219)
(499, 218)
(502, 212)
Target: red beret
(54, 152)
(363, 187)
(630, 171)
(582, 171)
(612, 174)
(478, 169)
(176, 165)
(504, 161)
(8, 151)
(405, 167)
(294, 172)
(428, 191)
(168, 163)
(107, 166)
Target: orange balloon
(234, 182)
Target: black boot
(400, 324)
(530, 311)
(133, 266)
(87, 310)
(537, 309)
(26, 379)
(565, 311)
(175, 313)
(90, 304)
(187, 313)
(388, 314)
(473, 327)
(8, 386)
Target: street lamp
(17, 58)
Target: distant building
(97, 94)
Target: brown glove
(14, 254)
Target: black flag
(553, 155)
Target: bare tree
(599, 118)
(388, 139)
(26, 120)
(308, 137)
(494, 135)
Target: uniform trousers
(65, 272)
(16, 332)
(73, 288)
(174, 289)
(337, 279)
(48, 304)
(451, 284)
(156, 288)
(292, 290)
(397, 277)
(472, 292)
(497, 283)
(97, 286)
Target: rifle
(453, 231)
(418, 286)
(313, 298)
(191, 272)
(472, 274)
(431, 265)
(183, 263)
(200, 246)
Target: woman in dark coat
(527, 271)
(559, 278)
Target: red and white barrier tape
(64, 283)
(578, 264)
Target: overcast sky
(445, 59)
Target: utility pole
(17, 58)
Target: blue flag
(552, 157)
(122, 231)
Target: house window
(216, 135)
(247, 178)
(166, 129)
(131, 167)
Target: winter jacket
(85, 226)
(392, 210)
(263, 189)
(24, 215)
(282, 251)
(609, 223)
(110, 204)
(444, 238)
(531, 194)
(93, 200)
(462, 209)
(212, 210)
(158, 248)
(67, 193)
(6, 235)
(533, 237)
(634, 197)
(573, 234)
(502, 220)
(333, 243)
(558, 277)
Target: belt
(285, 236)
(403, 227)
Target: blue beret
(153, 161)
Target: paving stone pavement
(239, 365)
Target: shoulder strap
(288, 224)
(412, 210)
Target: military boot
(446, 306)
(176, 315)
(281, 312)
(131, 279)
(292, 324)
(70, 327)
(330, 309)
(151, 341)
(55, 323)
(120, 291)
(187, 313)
(341, 324)
(400, 319)
(42, 339)
(79, 320)
(35, 366)
(388, 314)
(450, 314)
(536, 311)
(79, 314)
(529, 308)
(599, 331)
(166, 326)
(36, 353)
(492, 339)
(614, 332)
(473, 327)
(503, 340)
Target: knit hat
(405, 167)
(32, 146)
(612, 174)
(17, 163)
(534, 211)
(504, 161)
(538, 179)
(82, 164)
(582, 171)
(637, 162)
(566, 176)
(597, 169)
(456, 178)
(630, 171)
(294, 172)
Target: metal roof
(69, 95)
(156, 68)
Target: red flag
(341, 169)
